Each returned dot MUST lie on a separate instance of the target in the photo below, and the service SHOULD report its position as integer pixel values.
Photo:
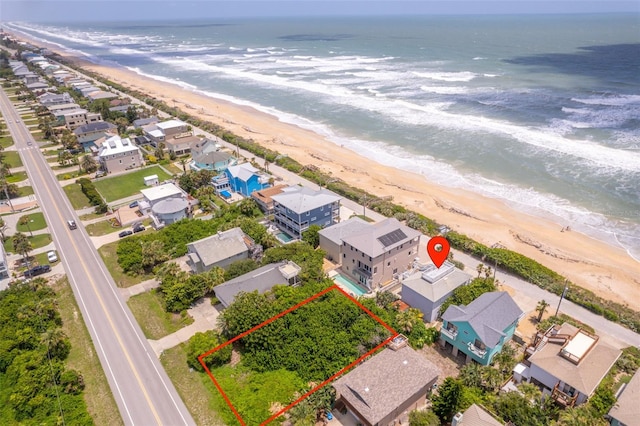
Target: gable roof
(170, 124)
(627, 409)
(116, 145)
(242, 171)
(584, 376)
(301, 199)
(385, 381)
(336, 233)
(145, 121)
(381, 237)
(260, 280)
(477, 416)
(220, 246)
(489, 315)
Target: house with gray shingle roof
(331, 237)
(297, 208)
(207, 155)
(221, 249)
(261, 280)
(481, 328)
(626, 410)
(387, 386)
(475, 416)
(377, 254)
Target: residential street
(141, 388)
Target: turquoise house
(481, 328)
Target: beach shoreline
(608, 271)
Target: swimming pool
(348, 285)
(284, 237)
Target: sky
(141, 10)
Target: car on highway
(72, 224)
(125, 233)
(37, 270)
(138, 228)
(52, 257)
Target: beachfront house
(260, 280)
(117, 154)
(74, 119)
(49, 99)
(296, 208)
(207, 155)
(331, 237)
(221, 249)
(626, 410)
(568, 363)
(244, 179)
(377, 255)
(88, 134)
(427, 287)
(480, 329)
(263, 198)
(386, 387)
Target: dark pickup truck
(36, 270)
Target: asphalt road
(142, 390)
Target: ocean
(541, 111)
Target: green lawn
(110, 258)
(90, 216)
(76, 196)
(103, 227)
(23, 191)
(6, 142)
(195, 389)
(173, 168)
(83, 358)
(36, 222)
(37, 241)
(17, 177)
(123, 186)
(12, 158)
(154, 321)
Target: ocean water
(541, 111)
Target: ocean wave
(612, 100)
(461, 76)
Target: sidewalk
(205, 318)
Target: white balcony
(480, 353)
(451, 334)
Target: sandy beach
(606, 270)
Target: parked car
(139, 229)
(133, 205)
(125, 233)
(72, 224)
(37, 270)
(52, 256)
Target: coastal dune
(606, 270)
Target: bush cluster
(92, 194)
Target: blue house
(296, 208)
(244, 179)
(481, 328)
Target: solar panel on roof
(392, 237)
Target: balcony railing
(480, 353)
(563, 398)
(451, 334)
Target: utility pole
(564, 292)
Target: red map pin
(438, 249)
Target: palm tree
(183, 161)
(22, 245)
(24, 221)
(3, 227)
(88, 164)
(541, 309)
(408, 319)
(159, 152)
(479, 269)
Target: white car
(52, 256)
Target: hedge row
(511, 261)
(92, 194)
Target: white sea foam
(447, 76)
(609, 100)
(445, 90)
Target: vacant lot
(110, 258)
(127, 185)
(153, 319)
(76, 196)
(12, 159)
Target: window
(395, 270)
(479, 344)
(120, 161)
(389, 263)
(375, 269)
(344, 255)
